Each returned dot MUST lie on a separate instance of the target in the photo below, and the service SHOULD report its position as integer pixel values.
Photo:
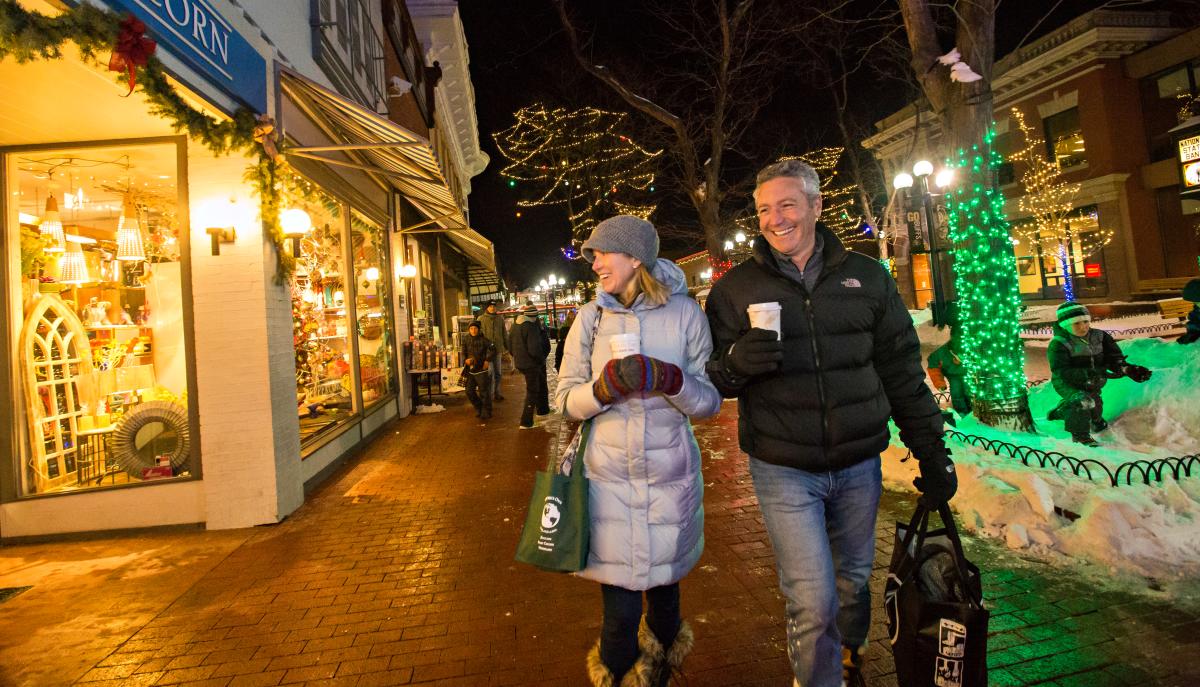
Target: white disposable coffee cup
(765, 316)
(623, 345)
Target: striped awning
(375, 144)
(385, 148)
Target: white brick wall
(248, 426)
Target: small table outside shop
(429, 376)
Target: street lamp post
(738, 249)
(927, 237)
(550, 286)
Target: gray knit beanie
(626, 234)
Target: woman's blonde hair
(644, 282)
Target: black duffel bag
(934, 602)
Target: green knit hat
(1191, 291)
(1070, 312)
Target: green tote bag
(555, 535)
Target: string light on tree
(578, 159)
(1049, 202)
(838, 201)
(989, 300)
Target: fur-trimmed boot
(665, 662)
(638, 676)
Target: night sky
(520, 56)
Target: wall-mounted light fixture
(408, 271)
(221, 235)
(295, 224)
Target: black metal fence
(1144, 471)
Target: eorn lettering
(193, 17)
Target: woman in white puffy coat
(642, 461)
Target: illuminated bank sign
(1189, 161)
(201, 37)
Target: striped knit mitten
(610, 387)
(652, 374)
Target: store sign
(1091, 270)
(202, 38)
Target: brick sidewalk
(399, 570)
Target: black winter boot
(853, 658)
(667, 662)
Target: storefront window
(372, 295)
(102, 349)
(1064, 139)
(1040, 266)
(321, 319)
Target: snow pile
(1148, 530)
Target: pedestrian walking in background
(1191, 292)
(642, 461)
(491, 324)
(813, 412)
(478, 354)
(1082, 360)
(560, 344)
(530, 346)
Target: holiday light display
(989, 300)
(1049, 201)
(578, 159)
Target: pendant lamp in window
(129, 233)
(52, 228)
(72, 267)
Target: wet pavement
(399, 570)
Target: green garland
(28, 36)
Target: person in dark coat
(478, 354)
(1191, 292)
(813, 411)
(1082, 360)
(562, 337)
(491, 325)
(530, 346)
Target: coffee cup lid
(764, 306)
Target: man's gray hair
(795, 169)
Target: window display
(320, 318)
(102, 346)
(372, 296)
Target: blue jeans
(497, 374)
(822, 527)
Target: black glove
(938, 481)
(759, 351)
(1188, 338)
(1137, 373)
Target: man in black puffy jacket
(1082, 360)
(813, 410)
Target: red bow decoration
(132, 50)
